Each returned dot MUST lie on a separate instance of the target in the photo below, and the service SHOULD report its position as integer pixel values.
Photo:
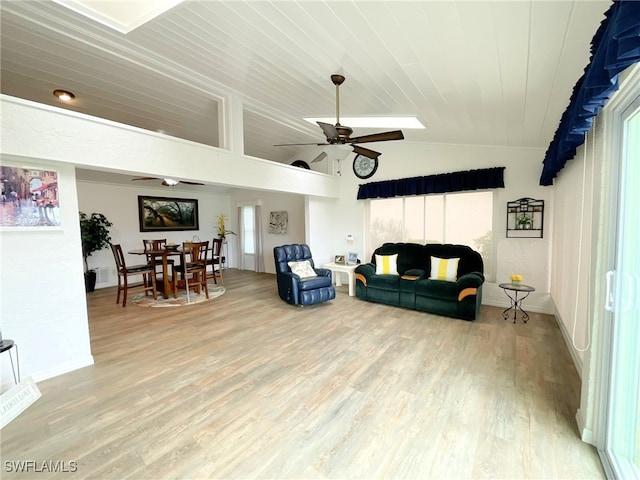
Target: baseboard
(586, 434)
(529, 308)
(62, 369)
(577, 361)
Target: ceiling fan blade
(379, 137)
(298, 144)
(322, 156)
(366, 152)
(144, 178)
(329, 131)
(190, 183)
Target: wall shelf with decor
(525, 218)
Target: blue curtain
(615, 46)
(442, 183)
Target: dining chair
(216, 259)
(124, 272)
(156, 244)
(192, 268)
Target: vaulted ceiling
(473, 72)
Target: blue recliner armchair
(310, 285)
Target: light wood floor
(246, 386)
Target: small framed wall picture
(29, 198)
(278, 222)
(352, 258)
(339, 259)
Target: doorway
(621, 452)
(251, 255)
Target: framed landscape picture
(165, 214)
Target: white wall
(531, 257)
(122, 210)
(39, 131)
(43, 305)
(572, 250)
(324, 217)
(273, 202)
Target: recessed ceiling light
(64, 95)
(373, 122)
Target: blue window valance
(441, 183)
(615, 46)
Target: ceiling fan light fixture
(408, 122)
(64, 95)
(337, 152)
(170, 181)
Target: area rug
(147, 301)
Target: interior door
(622, 441)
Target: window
(463, 218)
(248, 229)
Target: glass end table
(516, 303)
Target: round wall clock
(364, 167)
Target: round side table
(516, 303)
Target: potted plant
(524, 221)
(222, 229)
(94, 232)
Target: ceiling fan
(341, 134)
(167, 182)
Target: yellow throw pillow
(387, 264)
(444, 269)
(302, 269)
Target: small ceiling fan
(341, 135)
(167, 182)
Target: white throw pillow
(302, 269)
(444, 269)
(387, 264)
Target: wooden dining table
(160, 257)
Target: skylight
(122, 16)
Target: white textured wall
(273, 202)
(323, 217)
(122, 210)
(43, 305)
(531, 257)
(571, 253)
(581, 204)
(40, 131)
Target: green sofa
(412, 286)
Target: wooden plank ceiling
(474, 72)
